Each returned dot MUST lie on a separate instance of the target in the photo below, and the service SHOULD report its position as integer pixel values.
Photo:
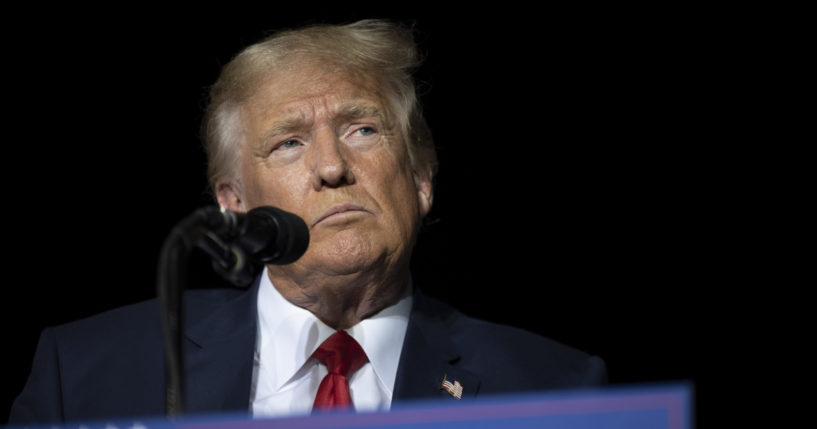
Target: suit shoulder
(132, 322)
(510, 341)
(518, 357)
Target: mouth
(340, 210)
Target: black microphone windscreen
(274, 236)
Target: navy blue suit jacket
(112, 365)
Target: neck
(342, 301)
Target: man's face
(322, 146)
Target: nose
(330, 163)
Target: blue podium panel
(653, 407)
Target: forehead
(304, 91)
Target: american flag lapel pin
(455, 388)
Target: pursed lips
(340, 208)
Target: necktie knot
(342, 356)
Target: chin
(347, 256)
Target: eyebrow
(351, 110)
(284, 126)
(345, 111)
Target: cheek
(400, 194)
(263, 186)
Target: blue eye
(290, 144)
(366, 131)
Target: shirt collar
(289, 334)
(381, 337)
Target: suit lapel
(220, 334)
(221, 329)
(429, 354)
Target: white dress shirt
(286, 376)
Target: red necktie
(342, 355)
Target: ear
(229, 196)
(425, 189)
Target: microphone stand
(171, 282)
(238, 249)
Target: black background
(587, 186)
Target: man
(322, 122)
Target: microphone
(239, 243)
